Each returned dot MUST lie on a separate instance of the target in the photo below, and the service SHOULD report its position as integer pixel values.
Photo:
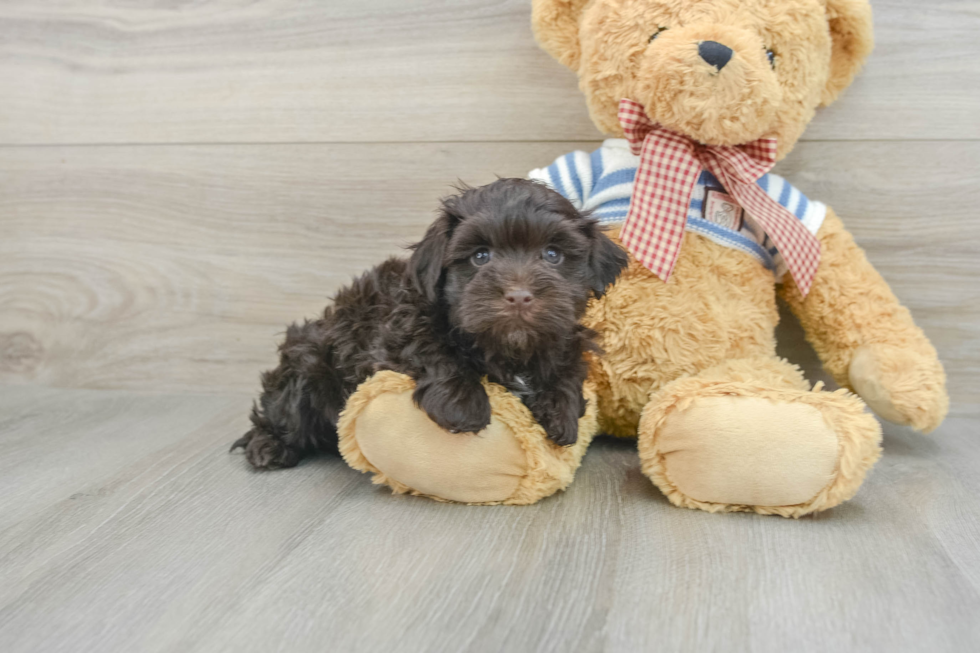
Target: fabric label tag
(722, 209)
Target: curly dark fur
(446, 321)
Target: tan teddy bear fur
(511, 462)
(690, 364)
(719, 309)
(818, 46)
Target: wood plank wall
(180, 179)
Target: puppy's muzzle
(518, 300)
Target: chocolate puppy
(496, 288)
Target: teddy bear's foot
(749, 435)
(903, 386)
(511, 461)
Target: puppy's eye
(480, 257)
(772, 58)
(552, 255)
(659, 31)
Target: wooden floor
(127, 526)
(178, 180)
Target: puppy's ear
(606, 259)
(428, 259)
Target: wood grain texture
(178, 547)
(171, 71)
(179, 180)
(159, 268)
(176, 268)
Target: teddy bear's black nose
(715, 53)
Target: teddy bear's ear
(852, 32)
(555, 25)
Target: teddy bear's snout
(709, 81)
(714, 53)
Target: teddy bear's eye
(772, 58)
(657, 33)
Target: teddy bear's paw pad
(901, 386)
(411, 450)
(748, 451)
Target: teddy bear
(700, 99)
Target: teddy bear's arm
(865, 337)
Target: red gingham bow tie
(670, 165)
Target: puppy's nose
(518, 298)
(715, 53)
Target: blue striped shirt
(602, 182)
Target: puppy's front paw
(462, 408)
(562, 429)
